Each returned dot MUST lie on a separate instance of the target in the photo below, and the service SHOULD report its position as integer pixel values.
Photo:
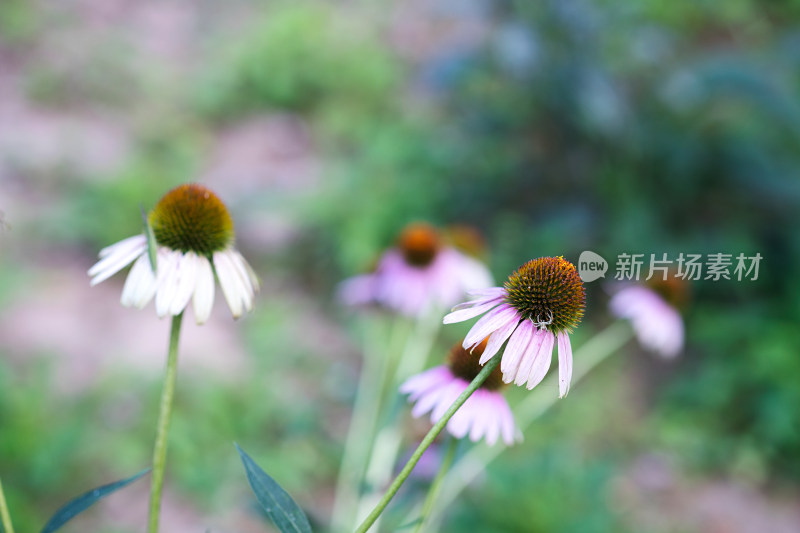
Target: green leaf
(86, 500)
(277, 503)
(151, 241)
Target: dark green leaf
(84, 501)
(277, 503)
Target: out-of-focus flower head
(652, 309)
(420, 274)
(539, 305)
(192, 241)
(485, 414)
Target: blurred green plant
(299, 57)
(18, 22)
(557, 488)
(100, 212)
(100, 77)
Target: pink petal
(515, 349)
(541, 364)
(433, 377)
(497, 339)
(529, 356)
(489, 323)
(461, 315)
(564, 364)
(489, 293)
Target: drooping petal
(515, 349)
(451, 393)
(186, 284)
(460, 422)
(246, 272)
(231, 283)
(203, 300)
(529, 356)
(496, 341)
(167, 282)
(123, 244)
(564, 364)
(120, 256)
(482, 416)
(541, 364)
(431, 378)
(461, 315)
(140, 287)
(507, 426)
(489, 323)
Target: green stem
(362, 426)
(5, 517)
(427, 507)
(164, 415)
(387, 442)
(426, 442)
(474, 462)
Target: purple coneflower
(539, 305)
(653, 313)
(194, 243)
(419, 273)
(485, 414)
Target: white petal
(120, 257)
(123, 244)
(541, 364)
(245, 280)
(187, 281)
(203, 300)
(564, 364)
(246, 270)
(141, 284)
(167, 281)
(230, 282)
(489, 323)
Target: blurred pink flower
(485, 414)
(657, 324)
(418, 275)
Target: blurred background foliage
(644, 127)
